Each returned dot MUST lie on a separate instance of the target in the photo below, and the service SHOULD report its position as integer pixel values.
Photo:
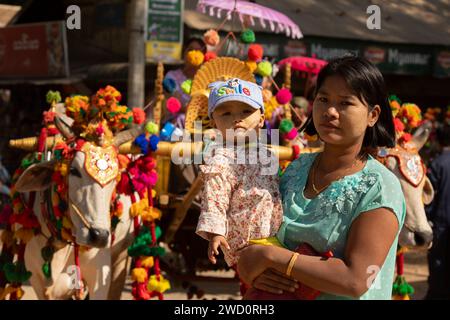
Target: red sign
(33, 50)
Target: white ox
(103, 268)
(405, 163)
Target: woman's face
(339, 116)
(237, 116)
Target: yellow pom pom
(251, 65)
(137, 208)
(24, 235)
(195, 57)
(139, 275)
(147, 262)
(151, 213)
(159, 286)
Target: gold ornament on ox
(101, 163)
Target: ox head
(407, 165)
(91, 181)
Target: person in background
(439, 214)
(187, 71)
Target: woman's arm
(370, 238)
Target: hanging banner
(34, 50)
(165, 30)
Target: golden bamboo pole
(157, 110)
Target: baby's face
(237, 116)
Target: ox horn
(421, 135)
(126, 136)
(64, 125)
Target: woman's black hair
(195, 39)
(367, 83)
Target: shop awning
(402, 21)
(7, 14)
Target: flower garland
(407, 117)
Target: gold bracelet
(291, 264)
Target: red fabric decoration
(173, 105)
(255, 52)
(283, 96)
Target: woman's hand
(253, 261)
(274, 281)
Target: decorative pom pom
(291, 135)
(398, 124)
(195, 57)
(186, 86)
(211, 37)
(142, 142)
(173, 105)
(286, 126)
(283, 96)
(267, 95)
(138, 115)
(154, 140)
(251, 65)
(255, 52)
(169, 85)
(167, 131)
(210, 55)
(259, 79)
(264, 68)
(151, 128)
(53, 96)
(139, 275)
(248, 36)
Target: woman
(187, 71)
(341, 200)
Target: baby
(241, 201)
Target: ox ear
(127, 135)
(64, 125)
(428, 192)
(37, 177)
(421, 135)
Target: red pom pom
(173, 105)
(138, 115)
(210, 55)
(123, 187)
(284, 96)
(255, 52)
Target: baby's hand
(214, 244)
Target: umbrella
(277, 21)
(304, 64)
